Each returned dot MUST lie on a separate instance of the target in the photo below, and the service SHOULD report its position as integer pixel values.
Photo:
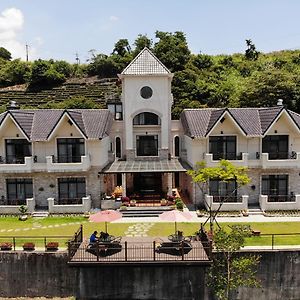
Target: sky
(62, 29)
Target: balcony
(277, 160)
(13, 164)
(212, 159)
(12, 206)
(63, 164)
(71, 206)
(229, 203)
(279, 202)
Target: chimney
(12, 105)
(279, 102)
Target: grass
(39, 228)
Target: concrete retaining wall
(47, 274)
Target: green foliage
(5, 54)
(141, 42)
(23, 209)
(225, 171)
(74, 103)
(122, 47)
(229, 269)
(251, 53)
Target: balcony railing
(67, 201)
(281, 198)
(66, 159)
(16, 202)
(226, 155)
(11, 159)
(278, 155)
(227, 199)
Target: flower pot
(28, 246)
(5, 246)
(52, 246)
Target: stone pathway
(138, 230)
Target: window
(223, 191)
(16, 150)
(176, 145)
(146, 92)
(276, 187)
(18, 190)
(276, 145)
(147, 145)
(223, 147)
(70, 150)
(117, 110)
(71, 190)
(146, 118)
(118, 147)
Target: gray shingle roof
(145, 63)
(38, 124)
(252, 121)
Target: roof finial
(12, 105)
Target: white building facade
(72, 160)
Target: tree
(172, 50)
(141, 42)
(225, 171)
(5, 54)
(122, 47)
(231, 269)
(251, 53)
(74, 103)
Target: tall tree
(141, 42)
(122, 47)
(251, 53)
(172, 50)
(5, 54)
(230, 269)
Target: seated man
(93, 237)
(104, 236)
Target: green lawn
(46, 227)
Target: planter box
(52, 246)
(29, 246)
(5, 246)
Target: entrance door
(147, 183)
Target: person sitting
(93, 238)
(104, 236)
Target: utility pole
(26, 46)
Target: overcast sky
(59, 29)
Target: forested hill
(247, 79)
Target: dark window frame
(146, 119)
(276, 187)
(70, 182)
(72, 148)
(223, 191)
(143, 147)
(277, 146)
(116, 108)
(18, 184)
(220, 145)
(17, 149)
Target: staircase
(144, 211)
(40, 214)
(254, 211)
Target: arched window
(118, 147)
(146, 118)
(176, 145)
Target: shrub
(52, 245)
(5, 246)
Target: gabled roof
(39, 124)
(198, 123)
(145, 63)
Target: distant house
(72, 160)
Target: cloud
(113, 18)
(11, 25)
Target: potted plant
(23, 210)
(52, 246)
(29, 246)
(132, 202)
(5, 246)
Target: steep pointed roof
(38, 125)
(145, 63)
(197, 123)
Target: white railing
(279, 163)
(83, 165)
(69, 208)
(15, 209)
(282, 205)
(13, 168)
(210, 162)
(226, 206)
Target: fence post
(125, 250)
(97, 250)
(182, 250)
(272, 241)
(69, 250)
(45, 242)
(81, 233)
(14, 242)
(154, 246)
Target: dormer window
(146, 118)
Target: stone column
(170, 183)
(124, 184)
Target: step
(40, 214)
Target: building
(72, 160)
